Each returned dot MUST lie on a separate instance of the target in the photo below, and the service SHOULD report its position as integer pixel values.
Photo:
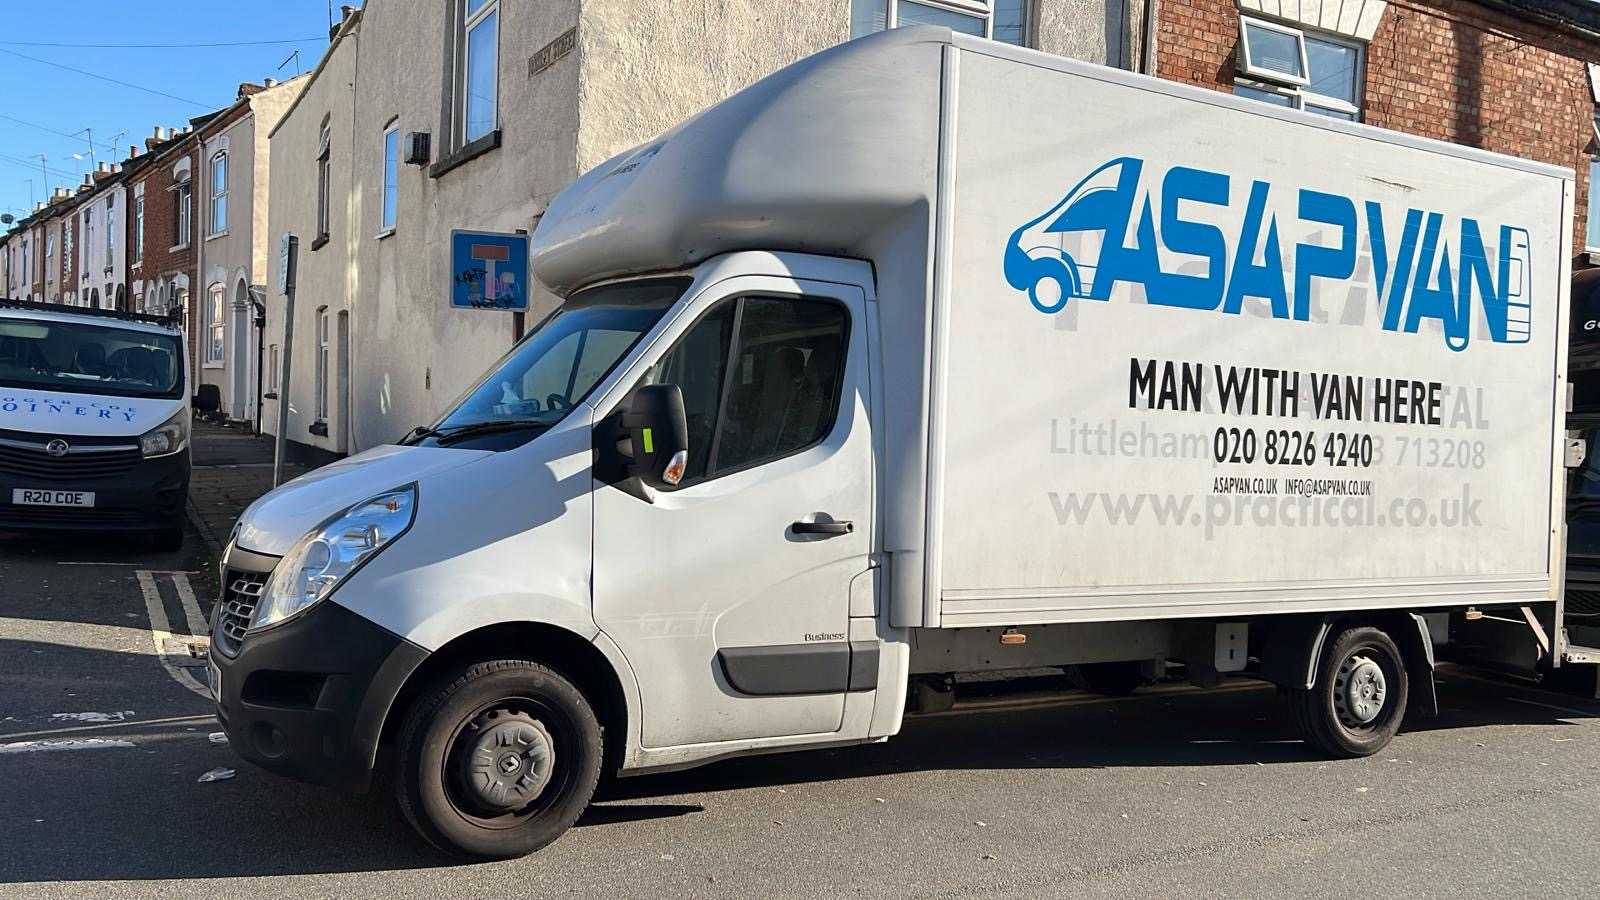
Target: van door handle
(830, 529)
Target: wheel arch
(575, 657)
(1293, 645)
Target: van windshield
(86, 358)
(556, 366)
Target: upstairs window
(1002, 20)
(180, 201)
(324, 182)
(111, 225)
(138, 230)
(1289, 67)
(88, 236)
(479, 52)
(391, 177)
(219, 193)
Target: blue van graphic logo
(1079, 250)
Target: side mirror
(658, 430)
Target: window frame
(324, 184)
(469, 22)
(1298, 91)
(138, 230)
(1591, 225)
(1248, 66)
(219, 193)
(977, 9)
(390, 182)
(322, 361)
(734, 345)
(183, 199)
(216, 326)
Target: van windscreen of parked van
(73, 357)
(543, 377)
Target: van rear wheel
(498, 760)
(1360, 696)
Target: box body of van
(929, 356)
(94, 421)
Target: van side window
(782, 393)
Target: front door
(729, 595)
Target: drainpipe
(1147, 55)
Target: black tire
(485, 714)
(167, 540)
(1113, 679)
(1353, 711)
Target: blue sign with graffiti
(1079, 249)
(489, 271)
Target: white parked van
(928, 356)
(94, 421)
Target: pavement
(232, 467)
(106, 749)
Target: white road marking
(161, 632)
(92, 716)
(191, 607)
(47, 746)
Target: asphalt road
(103, 741)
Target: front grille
(241, 593)
(35, 463)
(69, 517)
(1583, 603)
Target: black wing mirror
(658, 431)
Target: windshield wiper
(495, 426)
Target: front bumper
(149, 495)
(308, 698)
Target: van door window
(782, 393)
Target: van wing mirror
(658, 430)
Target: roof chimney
(59, 193)
(102, 168)
(269, 82)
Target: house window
(272, 369)
(391, 177)
(322, 364)
(180, 201)
(111, 225)
(219, 193)
(138, 229)
(1002, 20)
(480, 55)
(1289, 67)
(215, 314)
(324, 184)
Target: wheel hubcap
(1359, 691)
(508, 759)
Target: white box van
(929, 356)
(94, 421)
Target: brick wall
(161, 260)
(71, 252)
(1446, 69)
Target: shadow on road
(138, 812)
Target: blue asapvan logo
(1078, 250)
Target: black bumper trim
(309, 698)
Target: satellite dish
(7, 218)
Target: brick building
(161, 256)
(1510, 76)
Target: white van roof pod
(707, 187)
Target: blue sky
(39, 103)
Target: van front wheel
(1360, 694)
(498, 760)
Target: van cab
(94, 421)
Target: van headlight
(332, 552)
(167, 438)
